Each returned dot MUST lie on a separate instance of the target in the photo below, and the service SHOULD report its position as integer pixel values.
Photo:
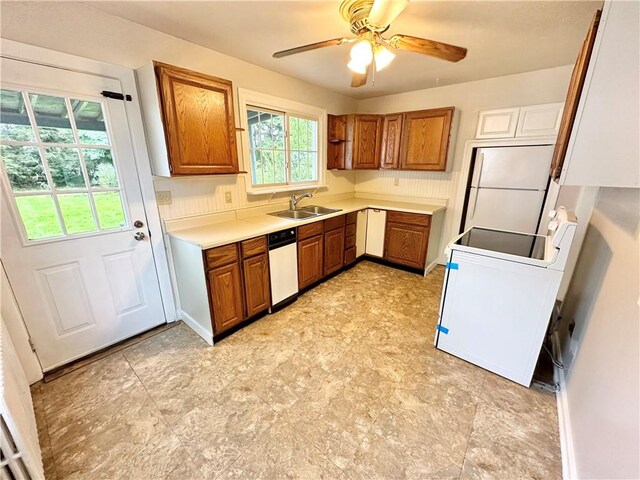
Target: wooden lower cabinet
(407, 239)
(225, 292)
(238, 282)
(310, 260)
(257, 290)
(333, 250)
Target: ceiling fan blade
(311, 46)
(428, 47)
(383, 12)
(358, 79)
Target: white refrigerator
(508, 188)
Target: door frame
(126, 76)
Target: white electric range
(499, 291)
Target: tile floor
(345, 383)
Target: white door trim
(126, 76)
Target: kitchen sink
(295, 214)
(320, 210)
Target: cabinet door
(256, 284)
(390, 149)
(573, 97)
(376, 220)
(425, 139)
(310, 259)
(333, 250)
(366, 141)
(225, 289)
(197, 111)
(406, 244)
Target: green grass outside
(41, 221)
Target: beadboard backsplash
(409, 184)
(191, 196)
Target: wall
(603, 357)
(531, 88)
(90, 33)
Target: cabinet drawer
(253, 247)
(333, 223)
(349, 255)
(350, 241)
(306, 231)
(409, 218)
(351, 229)
(219, 256)
(352, 218)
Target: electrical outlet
(227, 197)
(163, 197)
(396, 182)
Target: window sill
(268, 190)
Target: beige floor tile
(395, 449)
(281, 452)
(217, 432)
(82, 391)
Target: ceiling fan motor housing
(356, 12)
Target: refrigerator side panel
(514, 210)
(513, 167)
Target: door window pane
(39, 216)
(52, 118)
(14, 120)
(76, 212)
(64, 165)
(100, 167)
(90, 122)
(109, 208)
(24, 168)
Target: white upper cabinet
(529, 121)
(499, 123)
(603, 144)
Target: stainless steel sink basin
(295, 214)
(320, 210)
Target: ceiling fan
(369, 19)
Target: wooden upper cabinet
(425, 139)
(391, 135)
(337, 143)
(573, 97)
(199, 125)
(367, 130)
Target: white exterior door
(74, 238)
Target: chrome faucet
(295, 199)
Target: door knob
(139, 236)
(138, 224)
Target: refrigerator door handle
(474, 191)
(480, 170)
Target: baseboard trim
(199, 329)
(564, 424)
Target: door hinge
(32, 345)
(171, 167)
(116, 95)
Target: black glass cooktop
(521, 244)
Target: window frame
(248, 99)
(53, 192)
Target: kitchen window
(281, 143)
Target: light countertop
(215, 235)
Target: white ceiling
(502, 37)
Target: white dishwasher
(283, 267)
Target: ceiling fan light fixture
(362, 53)
(383, 57)
(356, 67)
